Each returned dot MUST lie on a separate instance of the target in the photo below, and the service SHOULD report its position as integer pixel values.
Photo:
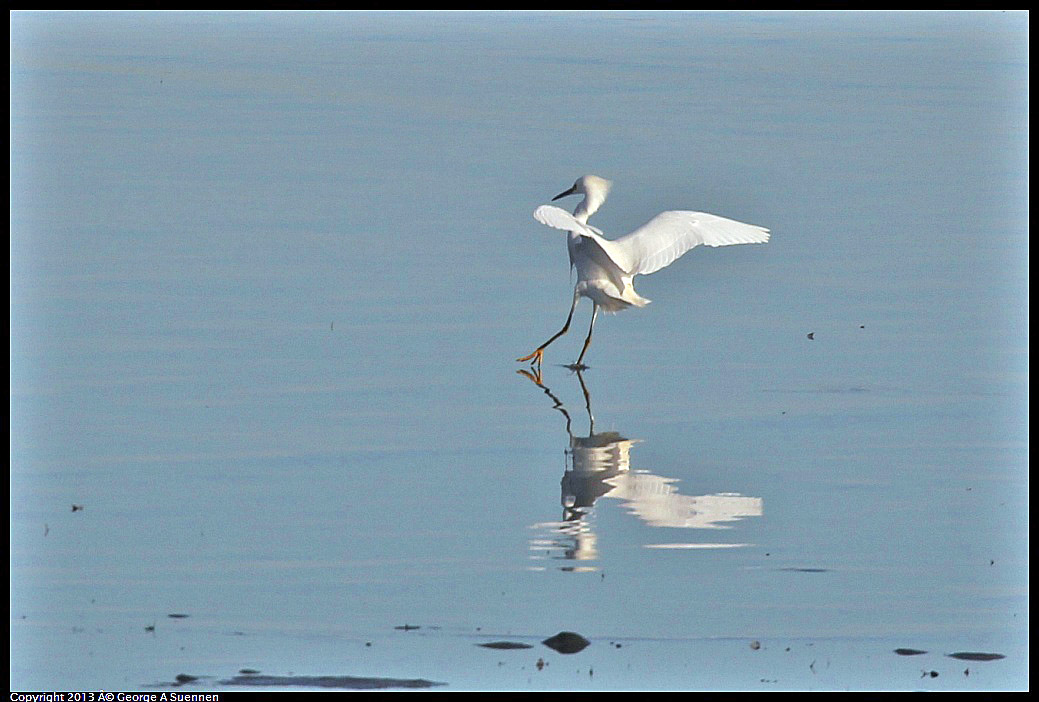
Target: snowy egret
(606, 269)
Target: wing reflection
(599, 465)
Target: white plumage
(606, 269)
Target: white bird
(606, 269)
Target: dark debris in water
(340, 682)
(567, 642)
(505, 645)
(909, 651)
(180, 679)
(976, 656)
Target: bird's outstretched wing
(561, 219)
(661, 240)
(558, 218)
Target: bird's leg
(534, 377)
(588, 340)
(587, 401)
(539, 352)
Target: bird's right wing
(661, 240)
(559, 218)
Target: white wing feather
(661, 240)
(559, 218)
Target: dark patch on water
(567, 642)
(505, 645)
(180, 679)
(976, 656)
(341, 682)
(909, 651)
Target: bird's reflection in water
(599, 465)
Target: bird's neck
(591, 203)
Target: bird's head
(589, 185)
(594, 190)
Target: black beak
(571, 191)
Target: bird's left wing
(661, 240)
(559, 218)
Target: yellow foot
(536, 356)
(536, 376)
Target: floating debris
(909, 651)
(407, 627)
(181, 679)
(344, 682)
(975, 656)
(249, 671)
(806, 570)
(177, 616)
(811, 336)
(567, 642)
(925, 673)
(505, 645)
(77, 508)
(540, 664)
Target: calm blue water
(269, 273)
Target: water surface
(269, 273)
